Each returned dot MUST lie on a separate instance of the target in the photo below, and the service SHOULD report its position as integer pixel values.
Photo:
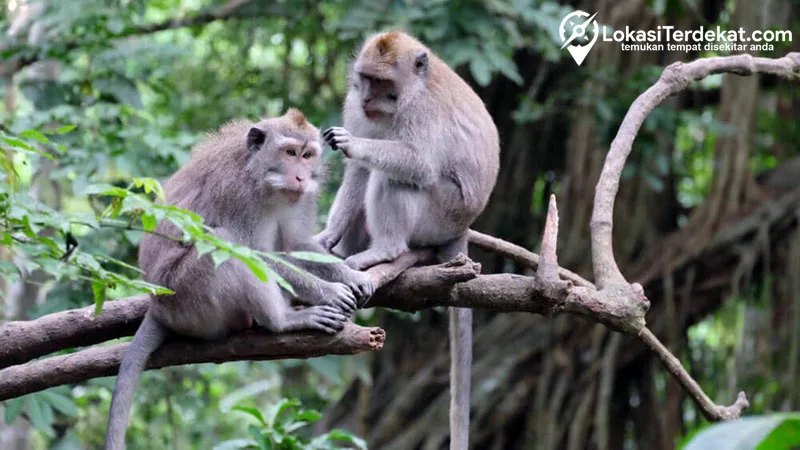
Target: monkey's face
(378, 96)
(288, 166)
(384, 89)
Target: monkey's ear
(255, 139)
(421, 63)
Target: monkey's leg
(392, 214)
(460, 358)
(347, 207)
(355, 239)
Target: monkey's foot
(327, 239)
(339, 295)
(372, 257)
(361, 285)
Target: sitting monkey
(423, 156)
(255, 184)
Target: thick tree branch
(25, 340)
(249, 345)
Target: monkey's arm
(400, 160)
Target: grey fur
(423, 159)
(245, 185)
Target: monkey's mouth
(292, 195)
(373, 113)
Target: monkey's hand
(361, 285)
(339, 295)
(339, 139)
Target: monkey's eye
(392, 97)
(307, 155)
(291, 152)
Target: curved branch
(675, 78)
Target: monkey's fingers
(329, 138)
(328, 319)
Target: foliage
(279, 426)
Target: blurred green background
(706, 218)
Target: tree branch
(248, 345)
(675, 78)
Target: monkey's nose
(299, 178)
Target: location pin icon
(579, 52)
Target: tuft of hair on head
(386, 44)
(385, 48)
(296, 117)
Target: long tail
(147, 339)
(460, 374)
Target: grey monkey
(255, 184)
(423, 156)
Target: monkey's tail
(148, 338)
(460, 374)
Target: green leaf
(26, 147)
(105, 189)
(269, 384)
(99, 292)
(14, 142)
(150, 185)
(315, 257)
(785, 435)
(236, 444)
(346, 436)
(743, 434)
(14, 409)
(272, 275)
(149, 222)
(219, 257)
(480, 71)
(40, 414)
(60, 402)
(65, 129)
(203, 248)
(252, 412)
(256, 266)
(34, 135)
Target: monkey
(422, 160)
(253, 184)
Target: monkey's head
(390, 71)
(283, 156)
